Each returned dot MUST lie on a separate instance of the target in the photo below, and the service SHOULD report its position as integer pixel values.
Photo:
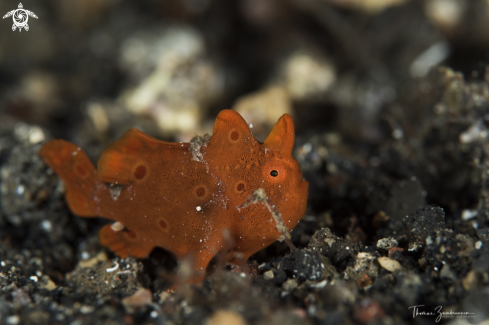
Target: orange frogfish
(186, 197)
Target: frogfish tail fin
(84, 191)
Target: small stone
(164, 296)
(446, 272)
(395, 251)
(268, 275)
(139, 299)
(101, 257)
(386, 243)
(483, 234)
(225, 317)
(308, 265)
(364, 282)
(305, 75)
(87, 309)
(470, 281)
(13, 320)
(367, 310)
(388, 264)
(364, 264)
(21, 297)
(289, 285)
(98, 115)
(421, 224)
(469, 214)
(446, 15)
(279, 276)
(47, 283)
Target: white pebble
(13, 320)
(388, 264)
(469, 214)
(117, 226)
(46, 225)
(478, 245)
(20, 189)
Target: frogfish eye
(274, 171)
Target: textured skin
(163, 189)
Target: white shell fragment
(117, 226)
(388, 264)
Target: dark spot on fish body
(200, 191)
(140, 172)
(234, 135)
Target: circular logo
(20, 18)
